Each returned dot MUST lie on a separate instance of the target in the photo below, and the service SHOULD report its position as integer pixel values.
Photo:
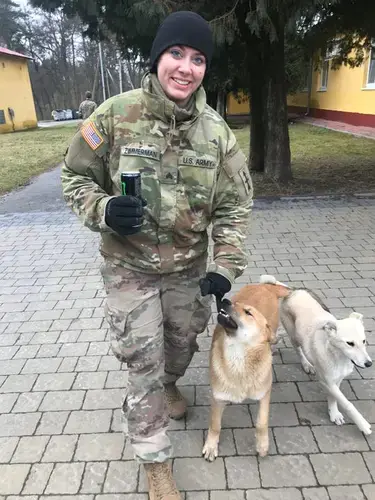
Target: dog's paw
(210, 451)
(262, 448)
(337, 418)
(308, 368)
(365, 427)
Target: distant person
(87, 106)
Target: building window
(371, 68)
(324, 75)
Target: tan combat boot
(175, 401)
(161, 485)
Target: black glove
(215, 284)
(124, 214)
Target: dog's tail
(281, 289)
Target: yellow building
(345, 94)
(17, 110)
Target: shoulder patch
(92, 135)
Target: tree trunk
(277, 161)
(256, 157)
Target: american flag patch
(91, 135)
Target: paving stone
(126, 496)
(294, 440)
(11, 367)
(315, 494)
(93, 478)
(54, 382)
(60, 449)
(48, 350)
(7, 447)
(281, 414)
(370, 461)
(227, 446)
(187, 443)
(41, 365)
(30, 449)
(203, 495)
(12, 478)
(68, 364)
(65, 478)
(340, 468)
(364, 389)
(37, 479)
(234, 416)
(345, 493)
(335, 438)
(52, 422)
(312, 391)
(92, 447)
(274, 494)
(62, 400)
(121, 477)
(74, 349)
(18, 383)
(197, 474)
(246, 442)
(369, 490)
(88, 422)
(28, 402)
(7, 353)
(117, 380)
(242, 472)
(287, 470)
(290, 373)
(18, 424)
(202, 395)
(7, 402)
(102, 399)
(89, 364)
(89, 380)
(285, 392)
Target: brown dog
(241, 358)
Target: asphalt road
(43, 194)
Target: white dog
(327, 346)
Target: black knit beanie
(182, 28)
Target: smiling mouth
(183, 83)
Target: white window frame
(371, 85)
(322, 86)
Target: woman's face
(180, 72)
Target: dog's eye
(364, 341)
(247, 312)
(351, 344)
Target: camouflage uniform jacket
(86, 108)
(193, 173)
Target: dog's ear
(356, 316)
(271, 335)
(330, 327)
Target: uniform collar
(163, 108)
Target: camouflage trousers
(154, 321)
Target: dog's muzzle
(224, 317)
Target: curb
(310, 197)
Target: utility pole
(119, 70)
(102, 69)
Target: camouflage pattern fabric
(86, 108)
(193, 174)
(154, 321)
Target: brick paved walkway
(60, 389)
(368, 132)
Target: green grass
(323, 162)
(26, 154)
